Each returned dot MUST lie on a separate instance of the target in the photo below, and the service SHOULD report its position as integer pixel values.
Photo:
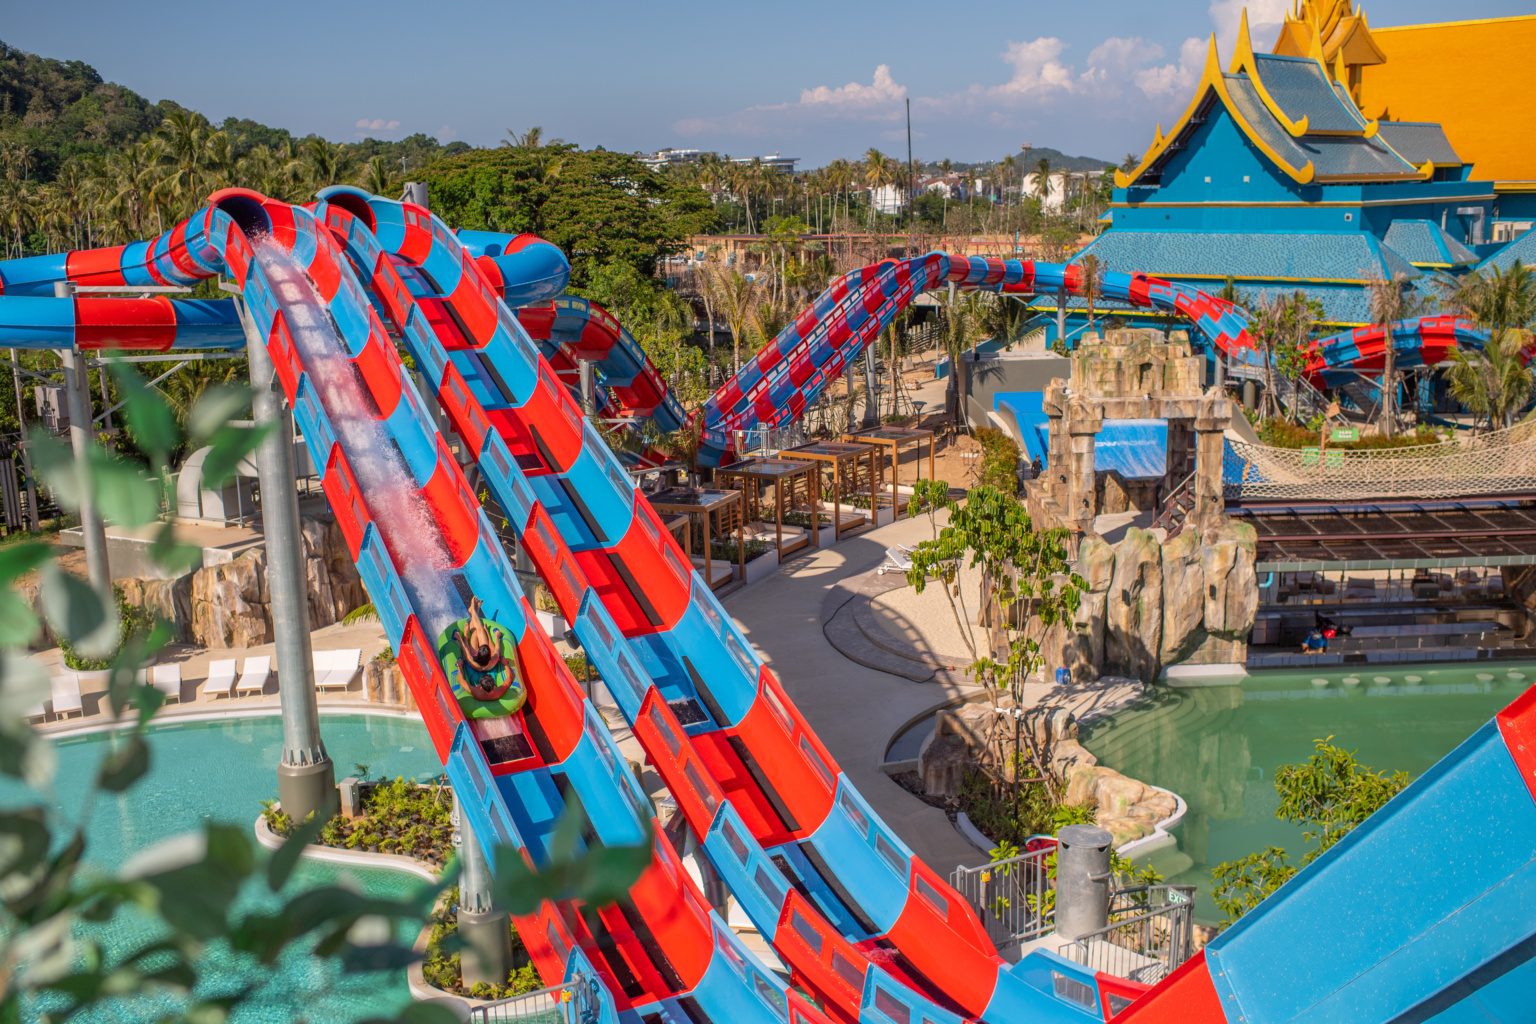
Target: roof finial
(1243, 55)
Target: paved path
(855, 710)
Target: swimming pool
(222, 770)
(1218, 746)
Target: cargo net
(1502, 462)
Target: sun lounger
(66, 694)
(255, 675)
(39, 711)
(336, 668)
(221, 678)
(167, 679)
(898, 558)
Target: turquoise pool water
(222, 770)
(1218, 746)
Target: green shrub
(442, 969)
(999, 460)
(1279, 433)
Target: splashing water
(403, 518)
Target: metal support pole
(1061, 314)
(306, 777)
(588, 387)
(871, 380)
(25, 446)
(487, 932)
(77, 392)
(1082, 880)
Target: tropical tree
(1390, 302)
(1278, 325)
(1494, 383)
(1042, 179)
(1090, 282)
(736, 296)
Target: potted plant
(96, 672)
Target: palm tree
(735, 295)
(1042, 178)
(1390, 302)
(1496, 382)
(1091, 285)
(1494, 299)
(327, 163)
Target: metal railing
(1150, 932)
(573, 1002)
(1014, 898)
(1176, 506)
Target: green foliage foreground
(195, 889)
(1330, 793)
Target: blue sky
(810, 79)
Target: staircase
(1176, 508)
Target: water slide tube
(94, 322)
(422, 545)
(860, 921)
(829, 335)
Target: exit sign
(1345, 434)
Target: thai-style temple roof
(1424, 244)
(1293, 111)
(1331, 28)
(1522, 249)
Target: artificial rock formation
(1133, 619)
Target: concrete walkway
(855, 710)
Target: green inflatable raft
(492, 694)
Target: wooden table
(709, 504)
(753, 474)
(843, 459)
(892, 440)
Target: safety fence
(1151, 931)
(572, 1002)
(1503, 462)
(1014, 898)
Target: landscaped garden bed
(400, 817)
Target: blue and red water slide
(422, 545)
(788, 374)
(825, 879)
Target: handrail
(1150, 933)
(570, 1002)
(1171, 507)
(1014, 897)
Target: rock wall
(229, 605)
(1149, 605)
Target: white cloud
(884, 89)
(1035, 67)
(378, 124)
(446, 133)
(1264, 20)
(1175, 80)
(1117, 59)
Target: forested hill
(52, 110)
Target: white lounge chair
(221, 678)
(167, 679)
(255, 675)
(66, 694)
(336, 668)
(38, 712)
(898, 558)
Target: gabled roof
(1424, 244)
(1291, 110)
(1419, 142)
(1522, 249)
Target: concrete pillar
(1061, 314)
(487, 932)
(1058, 472)
(1082, 880)
(1082, 429)
(77, 392)
(306, 777)
(1214, 414)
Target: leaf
(170, 554)
(124, 766)
(77, 612)
(122, 489)
(18, 626)
(230, 848)
(149, 418)
(216, 408)
(18, 559)
(286, 858)
(55, 463)
(27, 833)
(230, 446)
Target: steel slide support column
(25, 446)
(1061, 315)
(1082, 880)
(588, 387)
(77, 392)
(306, 777)
(487, 932)
(871, 401)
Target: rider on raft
(482, 661)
